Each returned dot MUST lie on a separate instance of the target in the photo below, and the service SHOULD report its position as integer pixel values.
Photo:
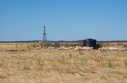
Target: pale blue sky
(64, 19)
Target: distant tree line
(79, 41)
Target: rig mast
(44, 35)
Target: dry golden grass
(63, 66)
(10, 46)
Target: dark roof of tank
(89, 39)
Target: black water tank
(90, 43)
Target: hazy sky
(64, 19)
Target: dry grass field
(63, 66)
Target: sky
(64, 19)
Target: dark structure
(90, 43)
(44, 36)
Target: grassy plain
(62, 66)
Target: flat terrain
(63, 66)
